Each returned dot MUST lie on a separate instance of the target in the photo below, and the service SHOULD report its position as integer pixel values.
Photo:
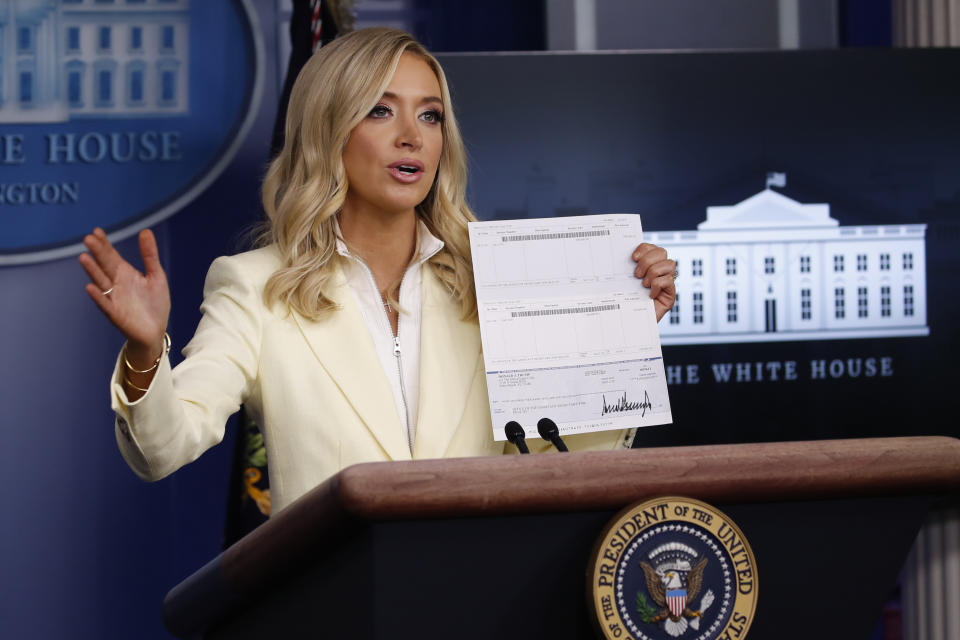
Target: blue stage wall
(89, 550)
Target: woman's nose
(408, 135)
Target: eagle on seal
(674, 611)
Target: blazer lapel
(449, 352)
(343, 346)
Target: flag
(248, 497)
(313, 24)
(776, 179)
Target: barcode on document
(557, 236)
(560, 312)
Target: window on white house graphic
(731, 266)
(806, 306)
(908, 300)
(731, 306)
(73, 39)
(136, 38)
(769, 265)
(804, 264)
(884, 262)
(167, 77)
(908, 262)
(838, 264)
(26, 88)
(135, 77)
(105, 86)
(168, 88)
(103, 92)
(839, 304)
(696, 268)
(104, 40)
(166, 38)
(861, 302)
(25, 40)
(885, 302)
(75, 87)
(697, 307)
(862, 262)
(675, 312)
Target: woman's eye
(433, 116)
(380, 111)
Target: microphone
(548, 431)
(516, 435)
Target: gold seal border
(601, 577)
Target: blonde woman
(351, 333)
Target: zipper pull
(396, 346)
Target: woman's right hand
(138, 304)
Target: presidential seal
(670, 568)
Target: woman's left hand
(657, 272)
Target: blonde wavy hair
(305, 186)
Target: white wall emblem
(773, 269)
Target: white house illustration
(93, 58)
(771, 268)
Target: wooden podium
(499, 547)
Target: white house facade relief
(773, 269)
(105, 58)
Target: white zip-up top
(399, 355)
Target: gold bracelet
(130, 382)
(156, 363)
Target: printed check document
(568, 332)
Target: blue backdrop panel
(88, 549)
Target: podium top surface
(610, 480)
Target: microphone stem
(548, 430)
(515, 434)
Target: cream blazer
(317, 389)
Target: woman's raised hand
(658, 273)
(138, 304)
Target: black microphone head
(514, 431)
(547, 429)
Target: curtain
(926, 23)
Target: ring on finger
(107, 292)
(676, 274)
